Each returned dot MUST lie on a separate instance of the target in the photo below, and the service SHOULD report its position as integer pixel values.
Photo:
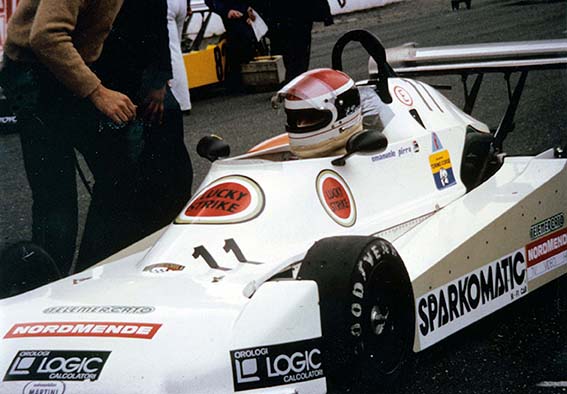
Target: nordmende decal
(232, 199)
(547, 254)
(83, 329)
(56, 365)
(275, 365)
(127, 309)
(463, 301)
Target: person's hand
(153, 106)
(251, 14)
(234, 14)
(113, 104)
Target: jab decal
(465, 300)
(547, 254)
(441, 166)
(336, 198)
(232, 199)
(57, 365)
(275, 365)
(84, 329)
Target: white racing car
(286, 275)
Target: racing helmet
(323, 110)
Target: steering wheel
(375, 49)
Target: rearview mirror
(212, 147)
(366, 141)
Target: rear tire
(468, 3)
(367, 312)
(25, 266)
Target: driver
(323, 109)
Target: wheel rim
(385, 339)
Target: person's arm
(51, 41)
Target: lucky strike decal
(275, 365)
(232, 199)
(461, 302)
(56, 365)
(403, 96)
(336, 198)
(83, 329)
(547, 254)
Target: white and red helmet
(323, 111)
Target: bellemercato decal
(465, 300)
(547, 254)
(547, 226)
(336, 198)
(56, 365)
(275, 365)
(232, 199)
(83, 329)
(126, 309)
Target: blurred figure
(290, 23)
(237, 16)
(177, 11)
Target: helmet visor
(307, 120)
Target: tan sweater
(64, 35)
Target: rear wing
(478, 59)
(409, 60)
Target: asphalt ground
(510, 352)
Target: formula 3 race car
(292, 276)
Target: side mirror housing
(366, 141)
(213, 147)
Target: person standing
(136, 59)
(61, 103)
(290, 23)
(177, 11)
(237, 17)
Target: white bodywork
(200, 311)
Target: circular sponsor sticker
(232, 199)
(336, 198)
(403, 96)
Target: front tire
(366, 305)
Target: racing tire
(25, 266)
(468, 4)
(367, 309)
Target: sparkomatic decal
(231, 199)
(547, 254)
(276, 365)
(56, 365)
(336, 198)
(463, 301)
(547, 226)
(83, 329)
